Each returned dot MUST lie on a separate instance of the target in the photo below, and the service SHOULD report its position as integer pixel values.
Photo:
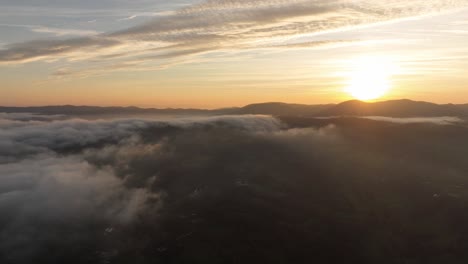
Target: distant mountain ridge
(276, 108)
(99, 110)
(392, 108)
(395, 108)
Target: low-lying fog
(233, 189)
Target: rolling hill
(393, 108)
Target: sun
(369, 79)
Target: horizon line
(228, 107)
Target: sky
(221, 53)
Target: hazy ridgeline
(233, 189)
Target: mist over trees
(232, 189)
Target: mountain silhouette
(276, 108)
(392, 108)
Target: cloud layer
(252, 189)
(222, 25)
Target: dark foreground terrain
(238, 189)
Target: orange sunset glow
(233, 131)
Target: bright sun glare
(369, 79)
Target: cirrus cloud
(221, 25)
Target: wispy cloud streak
(223, 24)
